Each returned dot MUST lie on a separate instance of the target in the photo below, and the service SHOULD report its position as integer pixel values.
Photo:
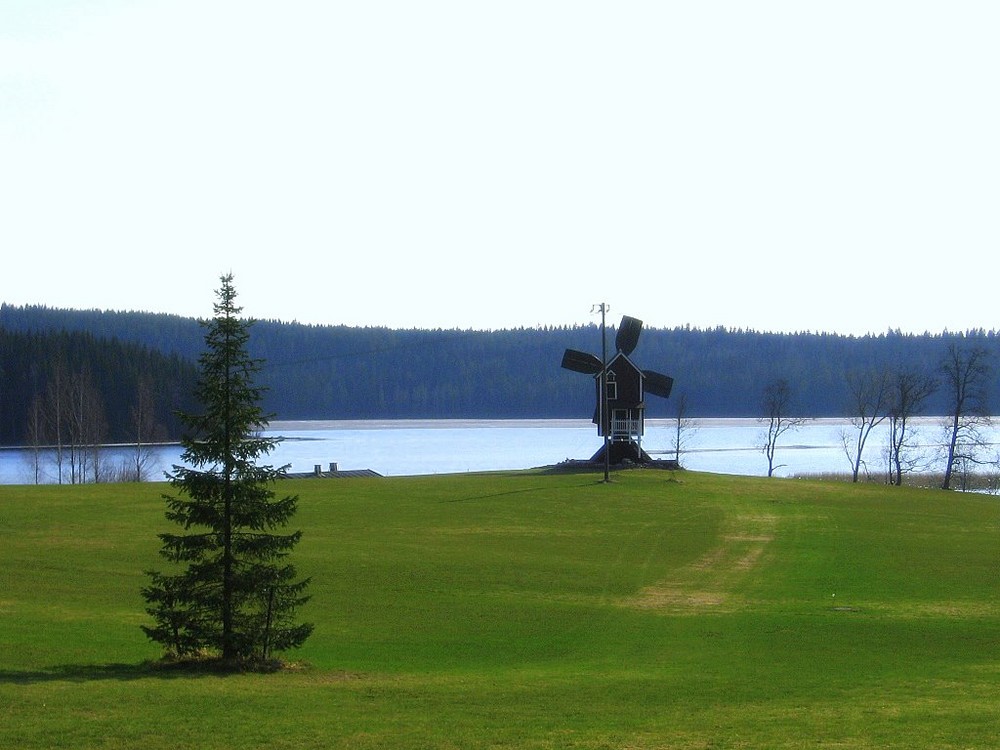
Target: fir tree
(237, 597)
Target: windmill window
(612, 390)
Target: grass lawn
(525, 610)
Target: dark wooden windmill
(621, 390)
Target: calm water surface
(410, 447)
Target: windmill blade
(628, 335)
(582, 362)
(657, 383)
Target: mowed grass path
(526, 610)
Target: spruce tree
(237, 596)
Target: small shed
(334, 473)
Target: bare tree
(36, 436)
(87, 428)
(684, 427)
(966, 372)
(67, 424)
(143, 415)
(869, 392)
(95, 432)
(777, 402)
(55, 413)
(909, 390)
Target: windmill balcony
(625, 428)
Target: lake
(412, 447)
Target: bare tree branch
(966, 373)
(869, 392)
(777, 403)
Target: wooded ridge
(341, 372)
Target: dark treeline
(339, 372)
(59, 386)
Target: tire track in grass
(651, 536)
(710, 582)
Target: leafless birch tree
(777, 402)
(56, 405)
(143, 415)
(966, 372)
(36, 436)
(684, 427)
(909, 390)
(87, 428)
(869, 394)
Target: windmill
(621, 388)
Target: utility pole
(605, 416)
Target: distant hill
(340, 372)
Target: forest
(340, 372)
(73, 385)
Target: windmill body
(620, 407)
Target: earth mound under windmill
(620, 388)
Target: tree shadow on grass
(492, 495)
(88, 673)
(165, 670)
(526, 490)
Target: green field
(527, 610)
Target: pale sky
(824, 166)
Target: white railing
(625, 427)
